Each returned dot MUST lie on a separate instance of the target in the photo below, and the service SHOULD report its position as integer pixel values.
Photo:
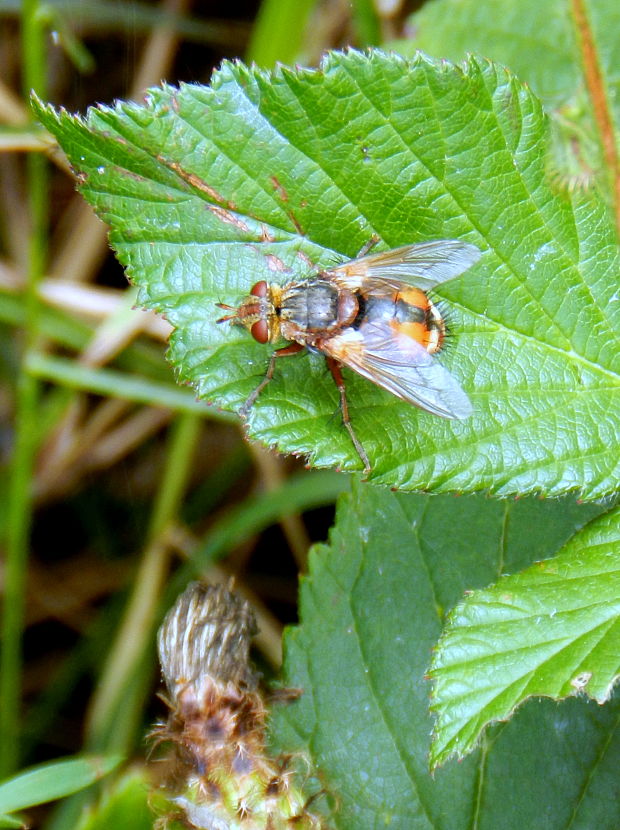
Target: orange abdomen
(409, 313)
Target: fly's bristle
(448, 340)
(444, 313)
(221, 775)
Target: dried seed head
(205, 640)
(222, 778)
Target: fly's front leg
(292, 348)
(334, 368)
(368, 246)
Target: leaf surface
(537, 40)
(208, 190)
(568, 51)
(552, 630)
(371, 611)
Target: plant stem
(278, 33)
(19, 507)
(118, 681)
(366, 23)
(115, 384)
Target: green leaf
(53, 780)
(371, 612)
(552, 630)
(536, 40)
(208, 190)
(125, 807)
(566, 50)
(541, 42)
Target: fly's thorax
(315, 309)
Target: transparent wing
(425, 265)
(402, 366)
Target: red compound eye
(260, 330)
(259, 289)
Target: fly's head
(258, 312)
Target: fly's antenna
(226, 317)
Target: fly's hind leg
(292, 348)
(334, 368)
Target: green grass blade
(53, 780)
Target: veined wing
(425, 265)
(402, 366)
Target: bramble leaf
(208, 190)
(543, 43)
(537, 41)
(552, 630)
(371, 611)
(567, 52)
